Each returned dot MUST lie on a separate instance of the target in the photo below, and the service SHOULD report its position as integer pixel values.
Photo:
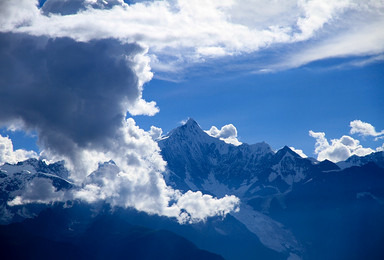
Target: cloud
(363, 128)
(8, 155)
(198, 206)
(76, 96)
(38, 190)
(155, 132)
(227, 133)
(180, 32)
(358, 39)
(339, 149)
(299, 152)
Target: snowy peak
(260, 148)
(286, 151)
(191, 123)
(190, 129)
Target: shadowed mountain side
(340, 212)
(62, 234)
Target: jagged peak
(286, 150)
(191, 127)
(191, 122)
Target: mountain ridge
(265, 181)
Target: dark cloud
(73, 94)
(74, 6)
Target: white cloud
(142, 107)
(8, 155)
(365, 39)
(155, 132)
(198, 206)
(363, 128)
(339, 149)
(227, 133)
(299, 152)
(184, 31)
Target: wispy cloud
(183, 31)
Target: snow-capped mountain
(198, 161)
(269, 184)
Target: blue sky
(280, 107)
(275, 70)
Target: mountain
(291, 207)
(14, 178)
(278, 191)
(354, 160)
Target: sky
(88, 81)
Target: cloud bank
(180, 32)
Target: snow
(271, 233)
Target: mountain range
(291, 207)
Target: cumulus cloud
(227, 133)
(9, 155)
(339, 149)
(363, 128)
(76, 96)
(299, 152)
(155, 132)
(180, 31)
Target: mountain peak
(191, 122)
(286, 150)
(189, 128)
